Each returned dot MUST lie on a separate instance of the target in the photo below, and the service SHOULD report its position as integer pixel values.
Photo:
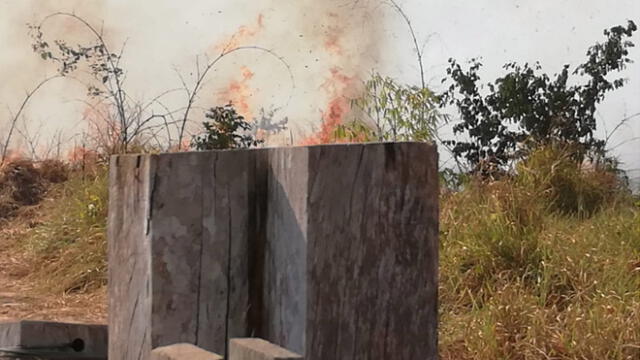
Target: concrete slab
(258, 349)
(183, 352)
(52, 340)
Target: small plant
(227, 130)
(389, 111)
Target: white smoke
(312, 37)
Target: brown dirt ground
(21, 300)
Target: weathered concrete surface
(372, 252)
(258, 349)
(76, 340)
(183, 352)
(284, 273)
(329, 251)
(177, 252)
(129, 251)
(227, 198)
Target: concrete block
(182, 352)
(329, 251)
(258, 349)
(54, 340)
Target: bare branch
(620, 124)
(414, 37)
(16, 116)
(202, 76)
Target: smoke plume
(318, 54)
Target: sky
(328, 47)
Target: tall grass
(68, 248)
(542, 265)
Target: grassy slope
(68, 247)
(517, 284)
(519, 279)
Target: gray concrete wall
(284, 277)
(129, 253)
(328, 251)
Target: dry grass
(26, 285)
(67, 250)
(541, 269)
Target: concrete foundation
(51, 340)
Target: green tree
(527, 108)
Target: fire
(333, 37)
(82, 156)
(185, 145)
(238, 92)
(103, 128)
(13, 155)
(241, 36)
(339, 87)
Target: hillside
(49, 250)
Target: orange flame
(80, 155)
(333, 37)
(238, 92)
(14, 155)
(241, 36)
(185, 145)
(103, 129)
(339, 87)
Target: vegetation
(66, 209)
(67, 247)
(525, 108)
(227, 130)
(545, 265)
(389, 111)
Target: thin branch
(202, 75)
(414, 37)
(118, 92)
(16, 117)
(622, 123)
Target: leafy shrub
(227, 130)
(390, 111)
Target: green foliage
(389, 111)
(527, 108)
(354, 131)
(227, 130)
(103, 64)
